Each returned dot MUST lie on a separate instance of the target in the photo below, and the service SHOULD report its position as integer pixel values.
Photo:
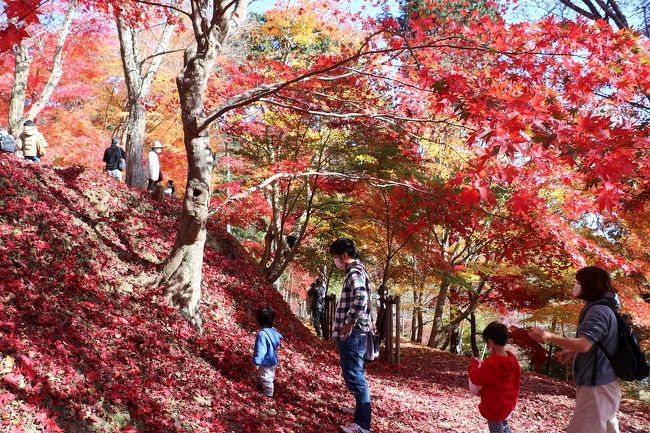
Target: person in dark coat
(316, 295)
(112, 157)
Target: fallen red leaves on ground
(86, 346)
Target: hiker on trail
(598, 393)
(171, 189)
(32, 143)
(352, 323)
(264, 353)
(153, 165)
(316, 300)
(499, 376)
(115, 159)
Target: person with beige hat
(153, 164)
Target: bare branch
(163, 53)
(57, 65)
(174, 8)
(374, 181)
(579, 10)
(264, 90)
(618, 19)
(353, 115)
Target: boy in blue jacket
(266, 343)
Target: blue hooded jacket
(266, 343)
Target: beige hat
(157, 145)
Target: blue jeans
(351, 351)
(33, 158)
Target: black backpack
(628, 361)
(7, 143)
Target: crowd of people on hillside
(30, 145)
(496, 379)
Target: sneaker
(348, 410)
(353, 428)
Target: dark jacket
(317, 297)
(112, 157)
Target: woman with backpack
(598, 393)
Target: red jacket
(500, 377)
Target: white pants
(117, 174)
(596, 408)
(266, 376)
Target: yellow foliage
(304, 24)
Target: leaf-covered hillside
(86, 346)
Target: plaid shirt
(354, 306)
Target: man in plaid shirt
(353, 310)
(351, 325)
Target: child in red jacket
(499, 375)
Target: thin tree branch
(579, 10)
(374, 181)
(264, 90)
(161, 54)
(174, 8)
(357, 115)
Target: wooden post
(393, 329)
(330, 309)
(389, 329)
(398, 327)
(332, 314)
(325, 325)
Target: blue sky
(355, 5)
(526, 9)
(259, 6)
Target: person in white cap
(153, 163)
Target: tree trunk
(455, 338)
(414, 316)
(550, 350)
(416, 319)
(276, 245)
(472, 334)
(182, 271)
(445, 343)
(441, 301)
(23, 62)
(138, 86)
(135, 123)
(136, 176)
(418, 337)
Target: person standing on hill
(598, 393)
(499, 376)
(171, 188)
(265, 355)
(153, 165)
(113, 157)
(32, 143)
(316, 296)
(352, 322)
